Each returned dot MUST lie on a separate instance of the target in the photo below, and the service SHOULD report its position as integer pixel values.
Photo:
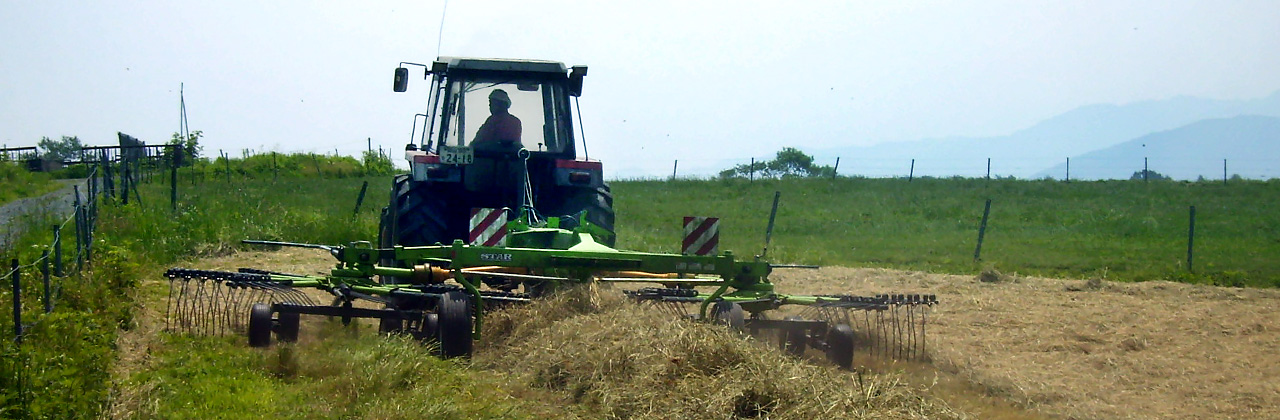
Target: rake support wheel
(793, 340)
(287, 327)
(840, 346)
(729, 313)
(454, 325)
(260, 325)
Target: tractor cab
(497, 134)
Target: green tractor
(497, 134)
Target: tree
(1150, 175)
(789, 163)
(67, 148)
(190, 147)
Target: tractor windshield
(481, 112)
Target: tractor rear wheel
(260, 325)
(793, 340)
(728, 313)
(599, 206)
(420, 217)
(288, 327)
(454, 329)
(840, 346)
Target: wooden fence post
(982, 231)
(1191, 240)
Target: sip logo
(495, 257)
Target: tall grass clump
(622, 360)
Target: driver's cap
(501, 96)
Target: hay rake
(435, 293)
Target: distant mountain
(1025, 153)
(1249, 144)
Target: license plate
(456, 155)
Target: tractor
(497, 134)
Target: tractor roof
(503, 64)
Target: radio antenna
(440, 36)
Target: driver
(500, 125)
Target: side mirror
(575, 80)
(402, 79)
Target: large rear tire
(454, 326)
(421, 216)
(599, 206)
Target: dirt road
(60, 203)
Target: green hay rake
(441, 293)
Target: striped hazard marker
(701, 236)
(488, 227)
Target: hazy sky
(695, 81)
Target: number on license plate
(456, 155)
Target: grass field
(17, 183)
(1113, 230)
(1117, 230)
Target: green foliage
(16, 182)
(68, 148)
(376, 163)
(190, 147)
(789, 163)
(1150, 175)
(1127, 230)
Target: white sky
(696, 81)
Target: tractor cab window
(500, 112)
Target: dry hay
(631, 361)
(1094, 349)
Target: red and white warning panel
(488, 227)
(701, 236)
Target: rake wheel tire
(729, 313)
(793, 340)
(840, 346)
(454, 325)
(260, 325)
(288, 327)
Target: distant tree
(190, 147)
(789, 163)
(1150, 175)
(67, 148)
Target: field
(1019, 346)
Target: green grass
(16, 183)
(1120, 230)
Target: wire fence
(48, 273)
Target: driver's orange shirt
(499, 127)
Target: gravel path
(59, 204)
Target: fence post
(79, 216)
(988, 168)
(982, 231)
(44, 270)
(1224, 172)
(768, 232)
(1191, 240)
(125, 181)
(836, 170)
(752, 171)
(173, 177)
(17, 303)
(673, 169)
(1068, 169)
(1145, 172)
(360, 199)
(912, 174)
(275, 167)
(57, 250)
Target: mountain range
(1183, 137)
